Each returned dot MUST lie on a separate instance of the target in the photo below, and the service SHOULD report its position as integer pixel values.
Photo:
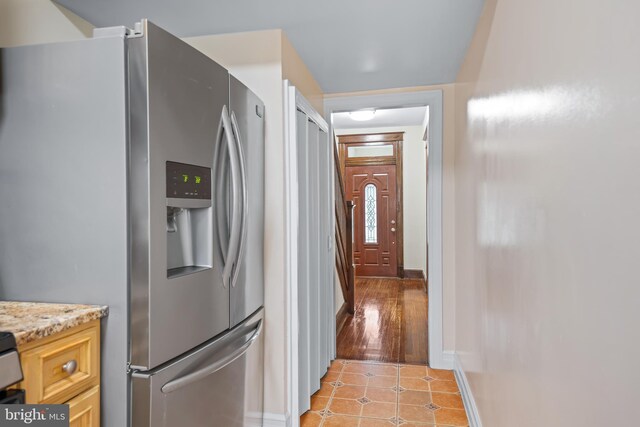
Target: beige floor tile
(356, 368)
(451, 417)
(447, 400)
(416, 414)
(410, 424)
(310, 419)
(412, 383)
(379, 410)
(381, 394)
(336, 366)
(442, 374)
(371, 422)
(414, 397)
(354, 379)
(345, 407)
(388, 370)
(350, 392)
(369, 368)
(340, 421)
(325, 390)
(383, 381)
(444, 386)
(413, 371)
(318, 403)
(330, 376)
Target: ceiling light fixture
(362, 115)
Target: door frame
(438, 358)
(374, 139)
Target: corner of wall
(465, 390)
(448, 223)
(24, 22)
(296, 71)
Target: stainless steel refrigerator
(131, 174)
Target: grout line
(333, 392)
(397, 395)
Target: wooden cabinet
(84, 410)
(65, 368)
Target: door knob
(70, 367)
(393, 221)
(393, 230)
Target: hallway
(390, 322)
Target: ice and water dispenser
(189, 219)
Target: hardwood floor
(389, 324)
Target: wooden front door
(373, 190)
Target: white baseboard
(275, 420)
(465, 391)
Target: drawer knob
(70, 367)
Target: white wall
(24, 22)
(296, 71)
(547, 209)
(414, 187)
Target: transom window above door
(356, 151)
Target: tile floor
(372, 394)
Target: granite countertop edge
(30, 321)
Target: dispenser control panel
(188, 181)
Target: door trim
(373, 139)
(432, 98)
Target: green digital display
(188, 181)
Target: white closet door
(316, 299)
(303, 266)
(326, 278)
(316, 319)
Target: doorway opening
(383, 165)
(299, 401)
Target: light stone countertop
(29, 321)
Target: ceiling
(349, 45)
(413, 116)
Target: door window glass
(370, 214)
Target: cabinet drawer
(60, 369)
(84, 410)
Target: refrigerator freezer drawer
(217, 384)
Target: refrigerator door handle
(220, 363)
(220, 169)
(236, 226)
(245, 199)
